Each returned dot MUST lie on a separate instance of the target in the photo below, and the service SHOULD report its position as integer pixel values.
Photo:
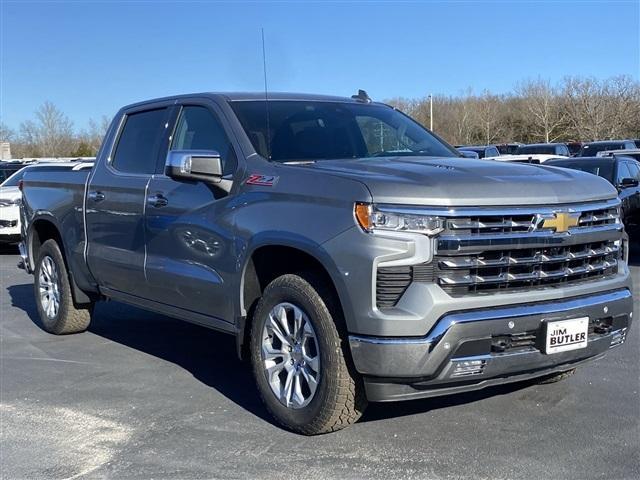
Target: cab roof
(249, 96)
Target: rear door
(115, 201)
(189, 231)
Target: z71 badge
(262, 180)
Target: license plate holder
(566, 335)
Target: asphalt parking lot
(145, 396)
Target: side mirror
(203, 165)
(468, 154)
(628, 182)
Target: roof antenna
(266, 96)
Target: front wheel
(302, 370)
(57, 311)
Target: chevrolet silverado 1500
(353, 255)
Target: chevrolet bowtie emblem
(562, 221)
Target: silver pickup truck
(353, 255)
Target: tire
(555, 377)
(51, 281)
(338, 399)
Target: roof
(620, 151)
(542, 144)
(475, 146)
(247, 96)
(580, 159)
(604, 142)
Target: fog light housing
(465, 368)
(618, 337)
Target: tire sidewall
(50, 249)
(308, 300)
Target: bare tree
(486, 117)
(89, 140)
(28, 140)
(540, 102)
(6, 134)
(624, 106)
(462, 121)
(585, 102)
(54, 131)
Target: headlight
(9, 202)
(371, 219)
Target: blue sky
(90, 58)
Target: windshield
(13, 180)
(316, 130)
(601, 167)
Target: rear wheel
(302, 370)
(57, 311)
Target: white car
(526, 158)
(11, 197)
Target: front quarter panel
(299, 208)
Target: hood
(468, 182)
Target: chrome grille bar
(461, 244)
(522, 277)
(508, 260)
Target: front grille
(524, 223)
(526, 268)
(482, 251)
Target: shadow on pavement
(211, 357)
(208, 355)
(8, 249)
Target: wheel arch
(269, 260)
(45, 227)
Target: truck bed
(59, 194)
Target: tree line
(51, 134)
(574, 109)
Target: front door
(189, 231)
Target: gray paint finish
(187, 258)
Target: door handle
(96, 196)
(158, 200)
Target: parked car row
(571, 149)
(622, 172)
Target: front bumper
(475, 349)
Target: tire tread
(348, 391)
(71, 318)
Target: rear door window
(138, 143)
